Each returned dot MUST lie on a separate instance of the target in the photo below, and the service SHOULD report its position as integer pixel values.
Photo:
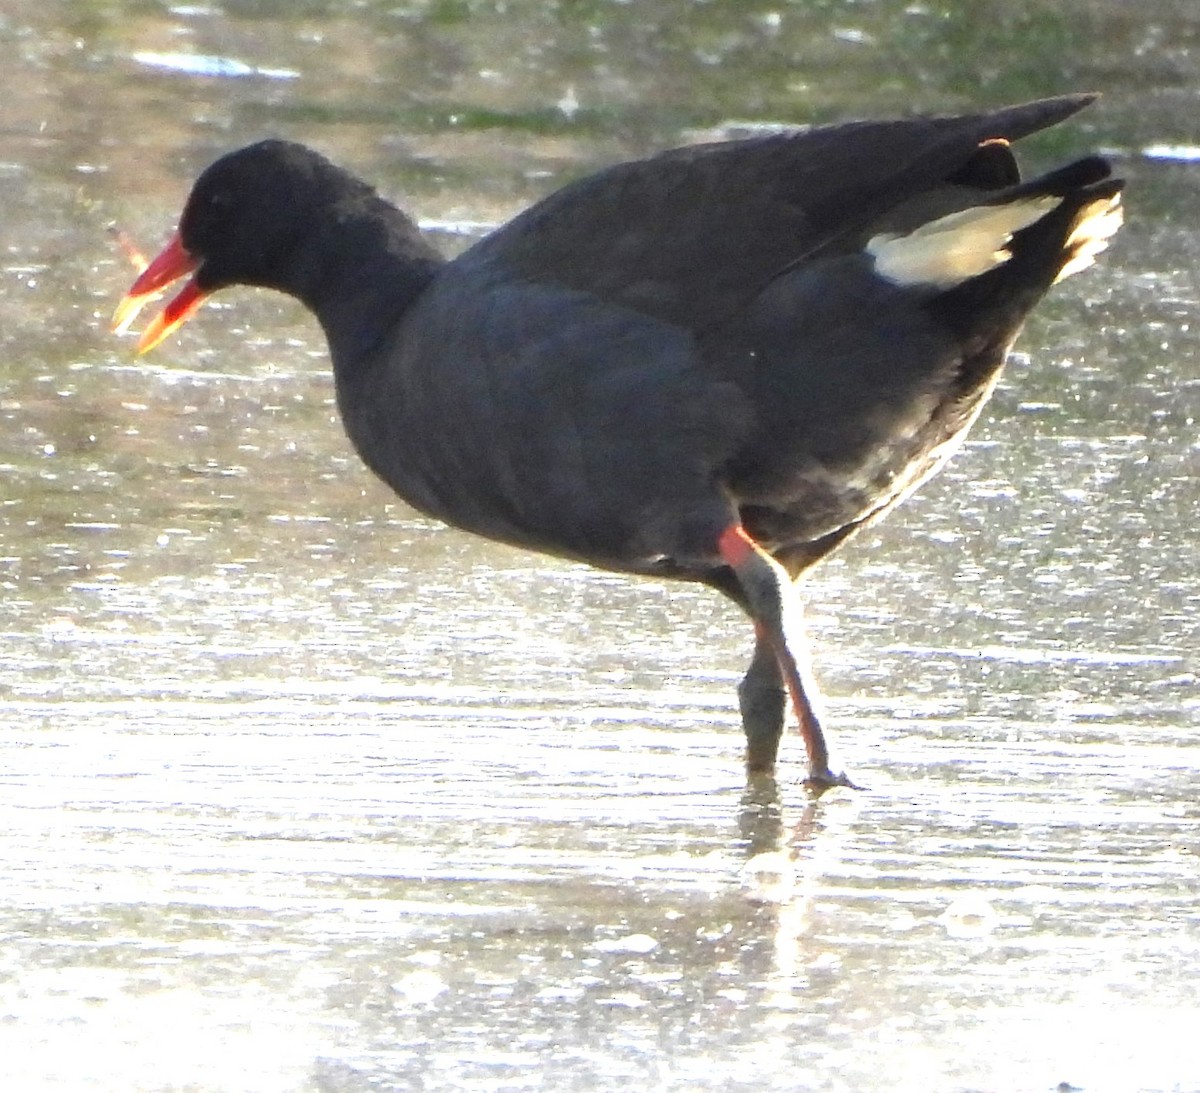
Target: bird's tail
(1026, 237)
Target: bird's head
(242, 224)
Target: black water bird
(716, 364)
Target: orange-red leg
(775, 608)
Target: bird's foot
(818, 781)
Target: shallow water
(304, 792)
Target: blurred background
(302, 791)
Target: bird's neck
(359, 273)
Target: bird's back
(691, 235)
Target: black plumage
(715, 364)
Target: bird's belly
(816, 499)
